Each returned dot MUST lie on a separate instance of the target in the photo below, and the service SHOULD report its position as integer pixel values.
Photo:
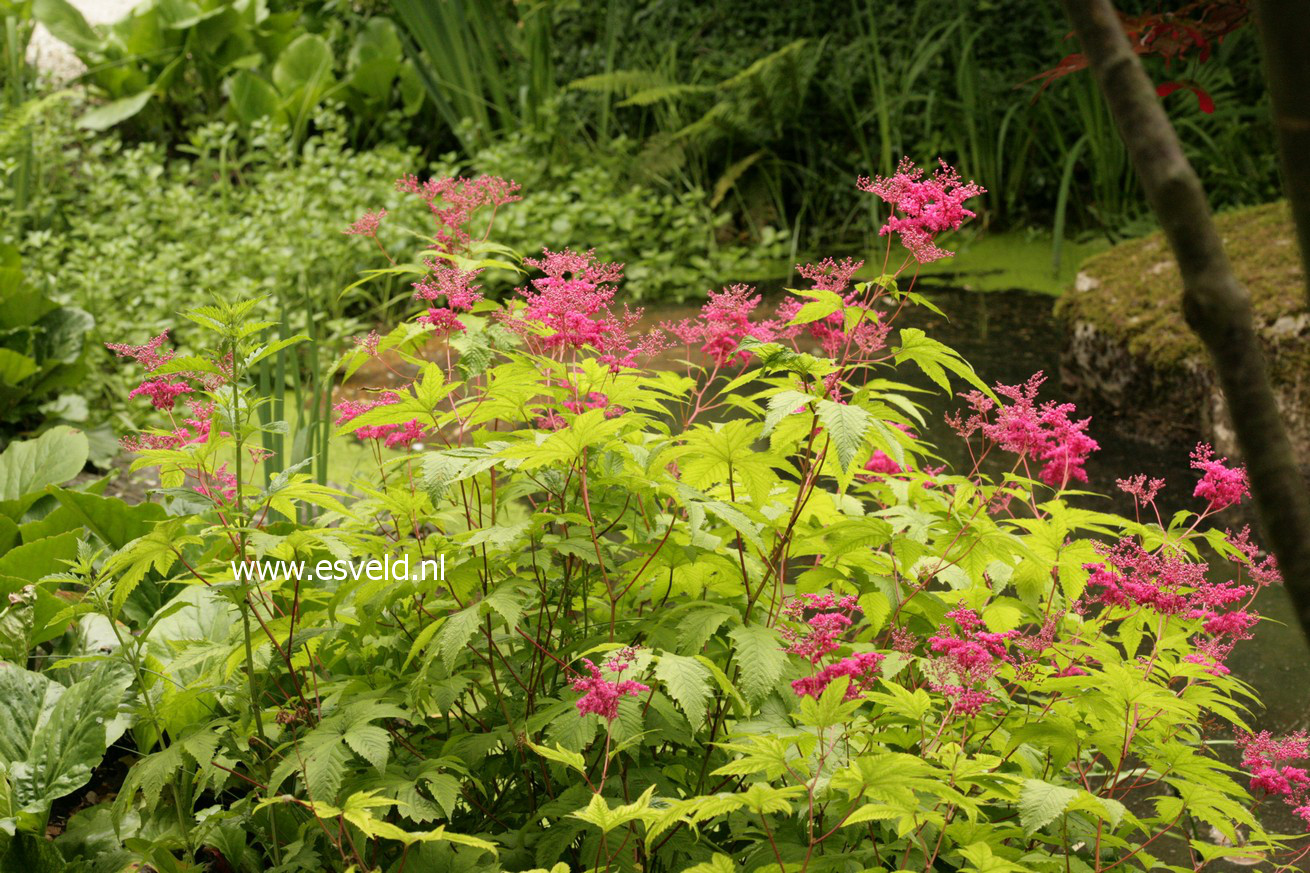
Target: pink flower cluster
(972, 649)
(391, 435)
(1045, 433)
(367, 224)
(1263, 571)
(1267, 757)
(724, 321)
(1221, 485)
(569, 308)
(151, 355)
(825, 618)
(194, 429)
(861, 668)
(163, 393)
(456, 286)
(602, 695)
(882, 464)
(1142, 490)
(967, 659)
(1162, 581)
(928, 206)
(454, 202)
(594, 400)
(219, 486)
(869, 335)
(1167, 583)
(442, 320)
(549, 419)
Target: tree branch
(1215, 304)
(1284, 27)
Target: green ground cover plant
(148, 230)
(708, 610)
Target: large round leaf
(306, 64)
(375, 59)
(252, 97)
(53, 458)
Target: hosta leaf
(115, 111)
(115, 522)
(40, 558)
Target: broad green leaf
(848, 425)
(572, 760)
(16, 367)
(687, 681)
(375, 58)
(306, 63)
(53, 458)
(116, 523)
(759, 656)
(66, 24)
(252, 97)
(52, 737)
(115, 112)
(1041, 803)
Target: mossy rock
(1129, 352)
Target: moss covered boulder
(1130, 355)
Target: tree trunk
(1215, 304)
(1285, 37)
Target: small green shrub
(722, 617)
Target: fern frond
(625, 82)
(25, 116)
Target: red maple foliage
(1193, 29)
